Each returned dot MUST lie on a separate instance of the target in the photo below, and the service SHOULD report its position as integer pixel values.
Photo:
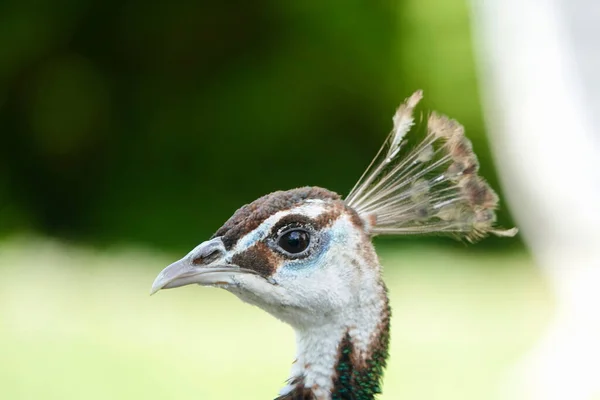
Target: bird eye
(294, 241)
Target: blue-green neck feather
(362, 382)
(353, 381)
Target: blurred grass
(78, 324)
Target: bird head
(305, 255)
(306, 252)
(300, 254)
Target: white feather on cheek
(336, 292)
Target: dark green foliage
(130, 121)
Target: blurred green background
(151, 123)
(132, 130)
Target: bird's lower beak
(182, 273)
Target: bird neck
(344, 357)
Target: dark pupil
(294, 241)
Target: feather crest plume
(432, 187)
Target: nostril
(207, 252)
(204, 259)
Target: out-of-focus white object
(539, 64)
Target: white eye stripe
(312, 209)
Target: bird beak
(205, 265)
(180, 273)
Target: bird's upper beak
(205, 265)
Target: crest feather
(432, 187)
